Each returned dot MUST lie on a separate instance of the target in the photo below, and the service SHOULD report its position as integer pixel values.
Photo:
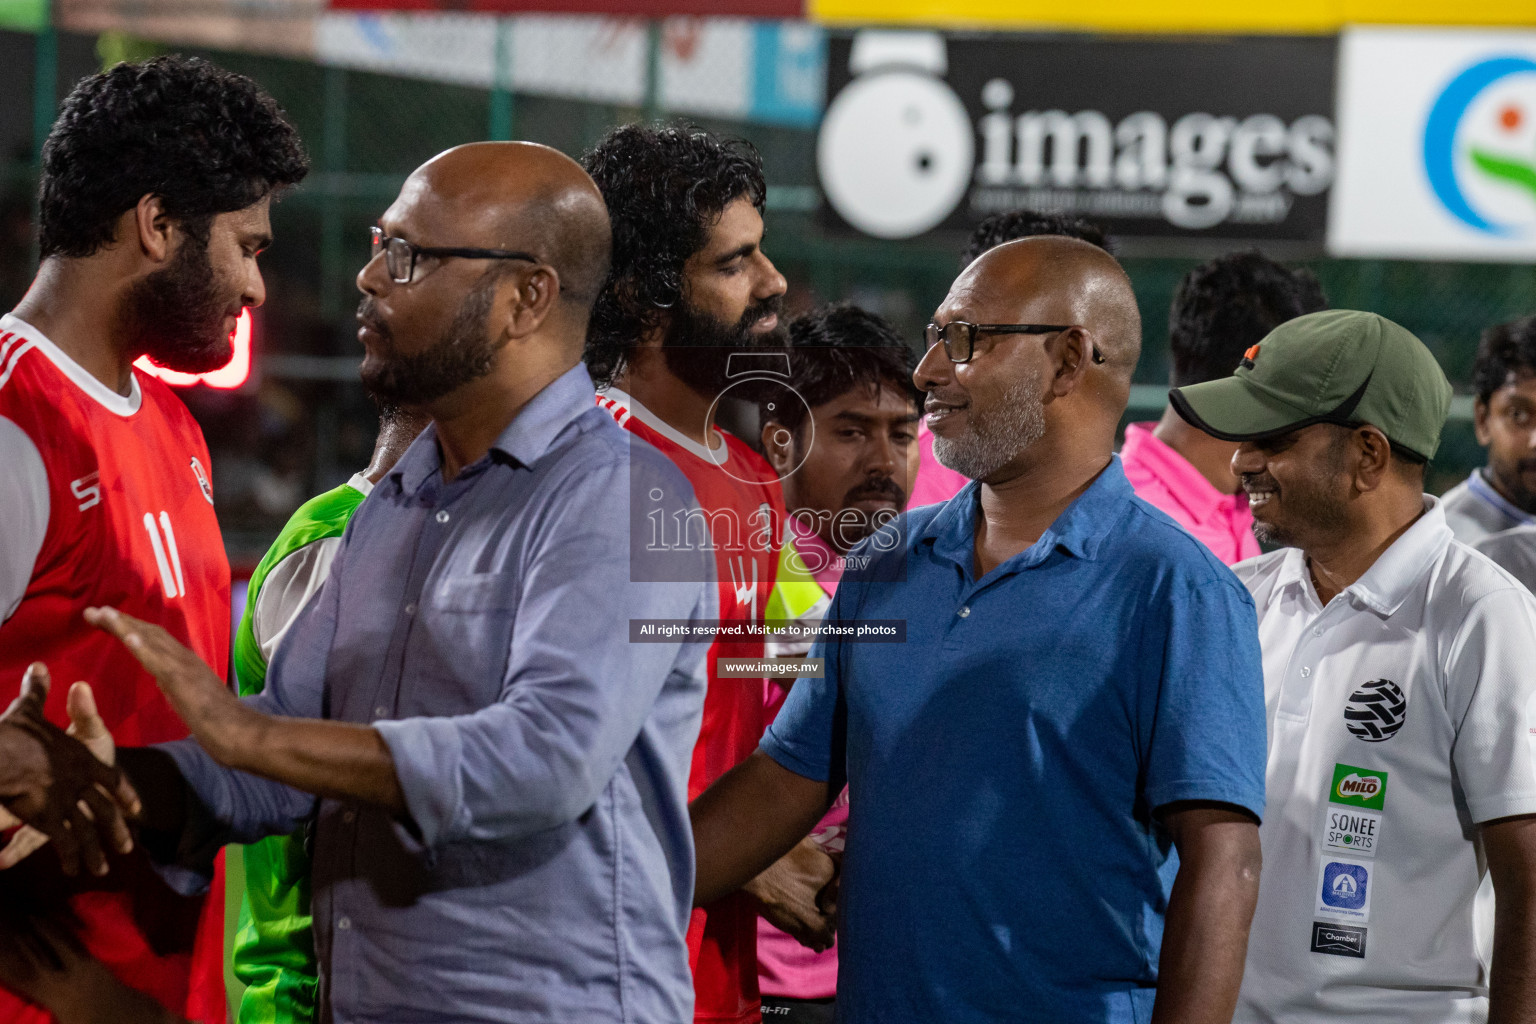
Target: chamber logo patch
(1376, 711)
(1338, 940)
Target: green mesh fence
(303, 424)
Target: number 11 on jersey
(166, 555)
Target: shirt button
(344, 924)
(349, 816)
(1317, 630)
(381, 711)
(410, 609)
(442, 516)
(1305, 672)
(964, 612)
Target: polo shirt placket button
(1305, 672)
(964, 612)
(442, 516)
(344, 924)
(380, 711)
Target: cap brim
(1232, 409)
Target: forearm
(1205, 936)
(1512, 987)
(1510, 847)
(747, 820)
(339, 760)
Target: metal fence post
(334, 175)
(653, 70)
(45, 95)
(502, 109)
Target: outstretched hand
(55, 784)
(212, 713)
(85, 725)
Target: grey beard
(990, 442)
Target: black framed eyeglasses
(959, 337)
(400, 256)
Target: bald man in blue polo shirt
(1056, 779)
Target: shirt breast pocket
(463, 642)
(475, 593)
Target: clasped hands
(63, 786)
(798, 895)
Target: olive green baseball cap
(1338, 366)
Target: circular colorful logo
(1480, 146)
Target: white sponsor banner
(1437, 145)
(722, 67)
(456, 48)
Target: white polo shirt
(1400, 716)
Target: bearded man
(156, 188)
(1078, 696)
(690, 305)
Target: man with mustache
(689, 303)
(157, 183)
(846, 450)
(1501, 495)
(1401, 775)
(934, 481)
(500, 832)
(1077, 696)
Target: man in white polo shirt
(1400, 687)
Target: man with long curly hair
(690, 303)
(156, 187)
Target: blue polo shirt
(1004, 763)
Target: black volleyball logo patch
(1376, 711)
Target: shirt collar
(628, 404)
(1478, 484)
(524, 441)
(120, 405)
(1392, 577)
(1080, 530)
(1184, 482)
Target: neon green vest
(274, 947)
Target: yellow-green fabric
(796, 596)
(274, 948)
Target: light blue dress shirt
(544, 871)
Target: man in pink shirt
(936, 482)
(1220, 310)
(845, 458)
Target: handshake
(62, 786)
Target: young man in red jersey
(157, 179)
(689, 293)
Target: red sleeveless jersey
(130, 524)
(738, 492)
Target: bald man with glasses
(496, 775)
(1056, 778)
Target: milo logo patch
(1358, 787)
